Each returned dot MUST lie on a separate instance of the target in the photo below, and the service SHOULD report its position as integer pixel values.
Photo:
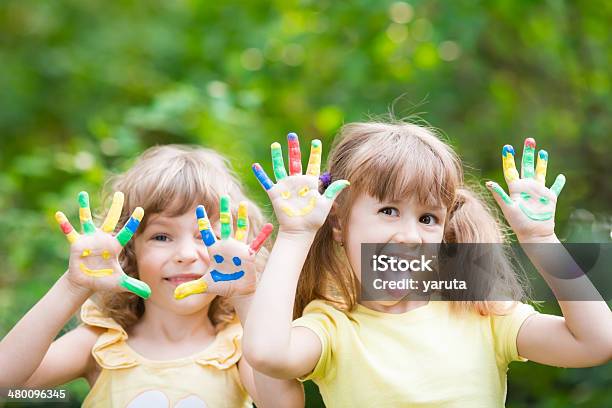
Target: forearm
(266, 391)
(23, 348)
(274, 392)
(268, 328)
(589, 321)
(241, 306)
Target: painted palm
(94, 254)
(297, 203)
(233, 262)
(530, 205)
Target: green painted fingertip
(500, 192)
(558, 185)
(83, 199)
(135, 286)
(335, 188)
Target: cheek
(191, 304)
(149, 265)
(433, 233)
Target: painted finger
(262, 177)
(278, 165)
(540, 173)
(499, 193)
(130, 227)
(295, 156)
(204, 226)
(135, 286)
(558, 185)
(225, 217)
(114, 213)
(335, 188)
(314, 161)
(66, 227)
(85, 214)
(260, 238)
(508, 165)
(242, 223)
(528, 159)
(190, 288)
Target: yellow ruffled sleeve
(110, 350)
(226, 350)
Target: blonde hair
(391, 161)
(172, 180)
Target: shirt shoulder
(325, 321)
(505, 326)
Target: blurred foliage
(86, 85)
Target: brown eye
(391, 211)
(428, 219)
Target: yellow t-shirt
(207, 379)
(426, 357)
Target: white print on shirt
(155, 399)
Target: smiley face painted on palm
(295, 197)
(530, 206)
(221, 276)
(298, 201)
(98, 249)
(232, 260)
(535, 202)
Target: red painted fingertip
(530, 141)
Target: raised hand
(233, 271)
(94, 254)
(295, 197)
(530, 206)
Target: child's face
(403, 222)
(169, 252)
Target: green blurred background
(86, 85)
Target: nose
(189, 251)
(407, 233)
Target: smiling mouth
(545, 216)
(302, 211)
(96, 273)
(179, 279)
(220, 276)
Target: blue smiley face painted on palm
(220, 276)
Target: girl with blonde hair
(407, 188)
(159, 306)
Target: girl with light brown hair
(161, 312)
(407, 188)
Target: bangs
(399, 168)
(180, 191)
(174, 182)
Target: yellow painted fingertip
(508, 164)
(138, 213)
(114, 213)
(541, 165)
(66, 227)
(190, 288)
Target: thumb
(500, 196)
(336, 188)
(193, 287)
(135, 286)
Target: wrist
(540, 239)
(75, 292)
(300, 236)
(241, 305)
